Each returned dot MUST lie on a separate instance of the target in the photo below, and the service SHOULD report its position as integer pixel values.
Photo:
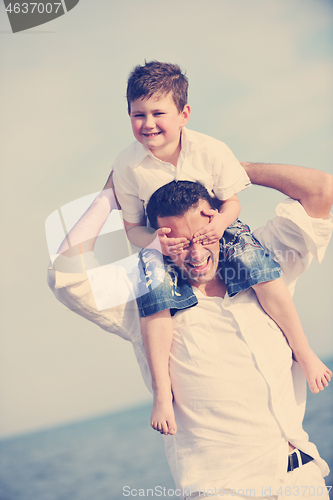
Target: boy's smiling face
(157, 123)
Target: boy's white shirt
(138, 173)
(294, 238)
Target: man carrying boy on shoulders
(239, 398)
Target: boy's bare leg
(157, 333)
(276, 300)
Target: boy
(166, 151)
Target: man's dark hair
(175, 199)
(157, 78)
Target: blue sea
(96, 459)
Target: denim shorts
(243, 262)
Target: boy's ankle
(162, 394)
(301, 346)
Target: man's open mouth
(199, 266)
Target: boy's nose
(150, 122)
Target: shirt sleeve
(80, 291)
(127, 190)
(294, 238)
(229, 175)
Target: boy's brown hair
(156, 78)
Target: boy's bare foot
(162, 415)
(317, 374)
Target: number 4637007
(31, 7)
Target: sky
(261, 79)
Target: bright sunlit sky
(261, 79)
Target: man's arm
(312, 188)
(83, 235)
(72, 287)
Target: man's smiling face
(198, 263)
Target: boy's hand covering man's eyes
(209, 234)
(213, 231)
(169, 246)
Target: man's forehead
(188, 223)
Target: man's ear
(185, 115)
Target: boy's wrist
(141, 236)
(223, 222)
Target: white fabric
(221, 394)
(234, 404)
(138, 173)
(237, 406)
(305, 482)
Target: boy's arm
(230, 210)
(132, 208)
(312, 188)
(139, 234)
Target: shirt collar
(141, 152)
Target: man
(238, 397)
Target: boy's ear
(185, 115)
